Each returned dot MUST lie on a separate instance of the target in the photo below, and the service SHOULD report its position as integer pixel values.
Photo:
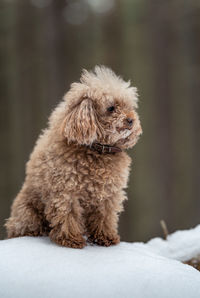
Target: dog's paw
(71, 243)
(62, 240)
(104, 240)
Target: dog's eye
(111, 109)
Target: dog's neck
(105, 149)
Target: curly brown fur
(71, 190)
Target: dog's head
(101, 109)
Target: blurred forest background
(44, 44)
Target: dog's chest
(104, 173)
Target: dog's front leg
(64, 214)
(102, 223)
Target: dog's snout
(129, 121)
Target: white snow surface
(181, 245)
(34, 267)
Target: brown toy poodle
(77, 172)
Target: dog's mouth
(126, 137)
(129, 138)
(124, 132)
(127, 133)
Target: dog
(76, 175)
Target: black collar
(105, 149)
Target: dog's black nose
(130, 121)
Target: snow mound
(181, 245)
(36, 267)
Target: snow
(36, 267)
(181, 245)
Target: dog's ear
(79, 124)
